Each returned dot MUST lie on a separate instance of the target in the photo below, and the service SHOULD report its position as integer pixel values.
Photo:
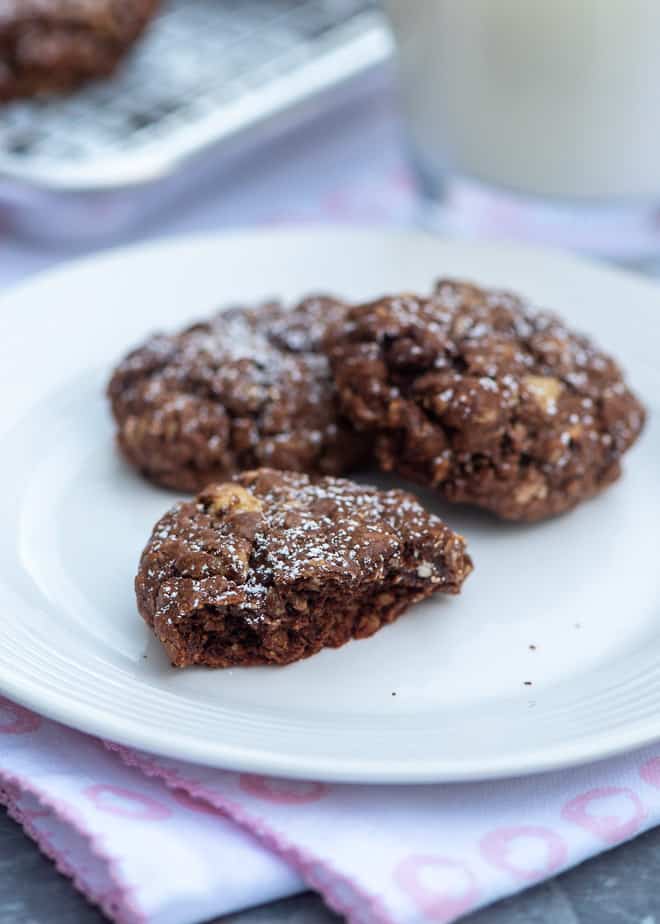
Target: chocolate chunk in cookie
(245, 389)
(49, 46)
(493, 403)
(273, 566)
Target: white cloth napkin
(159, 841)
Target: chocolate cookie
(245, 389)
(493, 403)
(274, 566)
(49, 46)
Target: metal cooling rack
(207, 72)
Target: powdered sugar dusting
(305, 537)
(481, 395)
(245, 388)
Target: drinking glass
(534, 119)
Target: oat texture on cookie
(273, 566)
(487, 399)
(247, 388)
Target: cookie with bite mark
(273, 566)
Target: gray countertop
(618, 887)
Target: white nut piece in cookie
(545, 390)
(225, 498)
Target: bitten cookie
(244, 389)
(49, 46)
(274, 566)
(493, 403)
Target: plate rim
(431, 770)
(317, 229)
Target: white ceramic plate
(584, 589)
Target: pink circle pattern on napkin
(611, 829)
(126, 803)
(438, 903)
(282, 792)
(496, 848)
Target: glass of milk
(544, 116)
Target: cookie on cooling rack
(53, 46)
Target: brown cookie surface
(274, 566)
(248, 388)
(476, 393)
(52, 46)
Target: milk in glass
(553, 98)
